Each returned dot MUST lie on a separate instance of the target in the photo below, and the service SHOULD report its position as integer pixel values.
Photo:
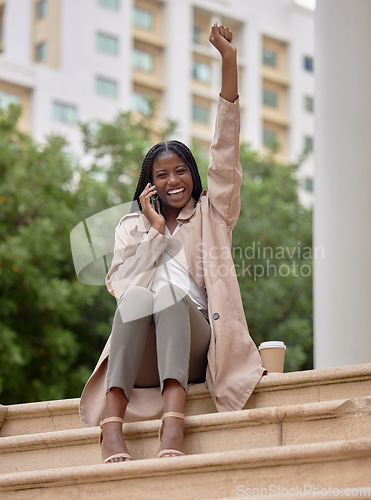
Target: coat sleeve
(224, 175)
(133, 263)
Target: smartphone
(154, 201)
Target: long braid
(183, 152)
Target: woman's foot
(172, 438)
(112, 443)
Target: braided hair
(183, 152)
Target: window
(7, 98)
(143, 18)
(110, 4)
(143, 60)
(269, 57)
(107, 43)
(200, 114)
(106, 87)
(308, 184)
(201, 72)
(197, 35)
(308, 64)
(65, 113)
(269, 138)
(309, 103)
(308, 144)
(41, 9)
(270, 98)
(40, 52)
(141, 102)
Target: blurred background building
(67, 61)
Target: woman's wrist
(230, 55)
(159, 227)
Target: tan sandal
(161, 453)
(117, 455)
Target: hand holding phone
(154, 201)
(151, 207)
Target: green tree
(52, 327)
(272, 252)
(272, 246)
(117, 149)
(43, 308)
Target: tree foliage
(117, 149)
(46, 315)
(272, 252)
(52, 327)
(272, 245)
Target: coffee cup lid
(272, 343)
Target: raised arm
(224, 175)
(221, 37)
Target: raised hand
(221, 37)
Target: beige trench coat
(203, 246)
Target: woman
(180, 317)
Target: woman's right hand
(156, 219)
(221, 37)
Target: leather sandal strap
(169, 451)
(118, 455)
(172, 414)
(168, 414)
(111, 419)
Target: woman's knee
(136, 292)
(135, 303)
(169, 295)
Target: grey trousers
(157, 337)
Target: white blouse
(170, 271)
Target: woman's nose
(172, 179)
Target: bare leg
(113, 441)
(173, 429)
(129, 334)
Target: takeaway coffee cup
(273, 356)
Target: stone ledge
(42, 408)
(305, 378)
(351, 373)
(3, 412)
(196, 424)
(197, 394)
(340, 493)
(276, 414)
(336, 451)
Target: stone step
(310, 492)
(273, 390)
(230, 431)
(338, 464)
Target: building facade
(67, 61)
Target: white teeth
(175, 191)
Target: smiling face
(173, 181)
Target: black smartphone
(154, 201)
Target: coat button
(215, 316)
